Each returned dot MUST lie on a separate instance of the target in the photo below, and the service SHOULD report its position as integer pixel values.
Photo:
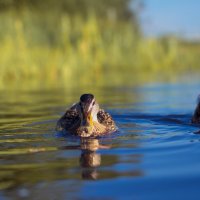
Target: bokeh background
(68, 43)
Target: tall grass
(57, 50)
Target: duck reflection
(89, 159)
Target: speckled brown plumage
(106, 119)
(70, 122)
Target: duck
(196, 115)
(86, 119)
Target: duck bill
(87, 119)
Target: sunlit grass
(42, 51)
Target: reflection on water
(155, 154)
(89, 159)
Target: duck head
(88, 109)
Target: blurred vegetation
(53, 43)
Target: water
(154, 155)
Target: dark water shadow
(140, 121)
(173, 119)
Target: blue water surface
(154, 155)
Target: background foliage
(89, 42)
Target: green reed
(44, 50)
